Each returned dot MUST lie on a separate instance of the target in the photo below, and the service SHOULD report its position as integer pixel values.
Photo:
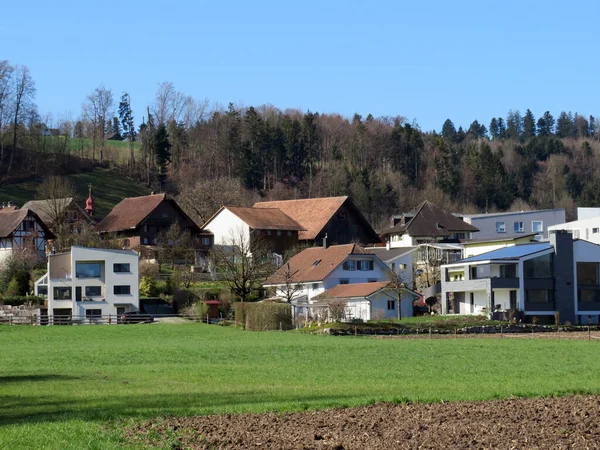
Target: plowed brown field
(550, 423)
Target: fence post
(429, 332)
(207, 322)
(501, 331)
(280, 327)
(455, 335)
(589, 334)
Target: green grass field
(76, 387)
(109, 189)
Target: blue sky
(426, 60)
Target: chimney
(564, 279)
(325, 242)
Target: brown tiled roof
(43, 208)
(305, 267)
(353, 290)
(431, 220)
(10, 220)
(265, 218)
(129, 213)
(311, 213)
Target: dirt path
(553, 423)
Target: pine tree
(528, 125)
(162, 152)
(514, 127)
(128, 124)
(449, 131)
(494, 128)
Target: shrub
(183, 298)
(148, 269)
(18, 300)
(201, 309)
(19, 284)
(148, 287)
(264, 316)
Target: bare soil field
(548, 423)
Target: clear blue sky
(426, 60)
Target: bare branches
(96, 109)
(289, 287)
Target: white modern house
(537, 279)
(517, 223)
(88, 283)
(588, 229)
(368, 301)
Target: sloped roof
(354, 290)
(431, 220)
(265, 218)
(43, 208)
(10, 220)
(509, 253)
(311, 213)
(314, 264)
(386, 255)
(131, 211)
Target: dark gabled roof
(431, 220)
(314, 264)
(10, 220)
(130, 212)
(263, 218)
(314, 213)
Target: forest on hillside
(209, 156)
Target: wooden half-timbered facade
(22, 230)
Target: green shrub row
(18, 300)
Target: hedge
(263, 316)
(18, 300)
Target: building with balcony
(90, 282)
(538, 280)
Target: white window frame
(520, 229)
(500, 229)
(533, 222)
(349, 265)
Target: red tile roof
(265, 218)
(354, 290)
(314, 264)
(129, 213)
(311, 213)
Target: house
(336, 218)
(139, 221)
(64, 210)
(427, 223)
(507, 224)
(538, 279)
(368, 301)
(475, 247)
(21, 230)
(87, 283)
(399, 260)
(276, 230)
(316, 269)
(588, 229)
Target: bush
(148, 269)
(19, 284)
(18, 300)
(201, 309)
(148, 287)
(183, 298)
(264, 316)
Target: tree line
(209, 156)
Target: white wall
(225, 226)
(585, 229)
(480, 302)
(379, 272)
(587, 213)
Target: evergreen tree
(494, 129)
(162, 152)
(565, 128)
(528, 125)
(449, 131)
(116, 127)
(501, 128)
(514, 127)
(128, 124)
(478, 131)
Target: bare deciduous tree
(6, 74)
(23, 94)
(56, 194)
(289, 287)
(244, 265)
(96, 109)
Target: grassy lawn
(74, 387)
(109, 189)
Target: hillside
(109, 189)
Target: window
(278, 232)
(537, 226)
(268, 232)
(315, 286)
(402, 266)
(145, 241)
(540, 267)
(595, 230)
(575, 234)
(350, 265)
(289, 233)
(391, 305)
(122, 290)
(88, 270)
(93, 291)
(587, 273)
(42, 291)
(121, 267)
(206, 241)
(62, 293)
(89, 313)
(344, 280)
(393, 267)
(145, 228)
(365, 265)
(539, 296)
(513, 299)
(126, 243)
(316, 263)
(500, 227)
(588, 296)
(519, 227)
(508, 271)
